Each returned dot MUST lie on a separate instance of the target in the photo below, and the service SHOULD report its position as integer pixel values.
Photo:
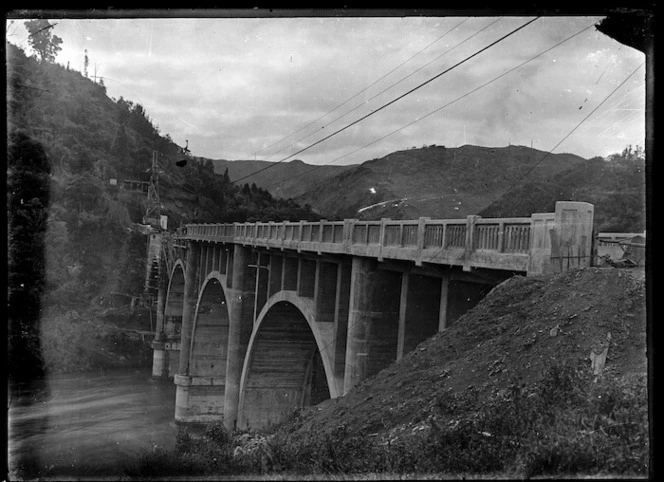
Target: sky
(266, 88)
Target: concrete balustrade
(500, 243)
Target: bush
(568, 423)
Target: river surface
(88, 425)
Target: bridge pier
(241, 302)
(373, 321)
(183, 401)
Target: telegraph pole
(153, 208)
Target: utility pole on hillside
(153, 207)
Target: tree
(42, 39)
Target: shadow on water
(87, 425)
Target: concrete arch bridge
(255, 320)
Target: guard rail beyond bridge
(255, 320)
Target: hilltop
(433, 181)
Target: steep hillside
(284, 180)
(96, 156)
(434, 181)
(616, 187)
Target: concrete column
(159, 355)
(306, 278)
(240, 300)
(275, 275)
(325, 291)
(469, 247)
(403, 304)
(290, 273)
(341, 323)
(189, 304)
(372, 322)
(444, 297)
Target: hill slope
(435, 181)
(284, 180)
(617, 189)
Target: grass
(569, 423)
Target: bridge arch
(174, 300)
(209, 337)
(288, 363)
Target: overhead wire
(548, 153)
(441, 107)
(483, 49)
(388, 87)
(361, 91)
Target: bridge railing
(543, 242)
(471, 241)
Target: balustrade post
(349, 226)
(299, 237)
(320, 234)
(283, 234)
(421, 232)
(501, 237)
(381, 237)
(469, 247)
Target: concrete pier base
(165, 359)
(199, 399)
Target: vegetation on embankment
(509, 390)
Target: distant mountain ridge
(285, 179)
(434, 181)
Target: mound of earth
(520, 329)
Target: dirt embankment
(523, 326)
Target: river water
(88, 425)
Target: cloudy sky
(266, 88)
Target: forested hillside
(440, 182)
(433, 181)
(615, 186)
(76, 245)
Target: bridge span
(255, 320)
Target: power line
(396, 99)
(392, 85)
(570, 132)
(442, 107)
(363, 90)
(552, 149)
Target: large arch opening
(284, 371)
(174, 299)
(209, 341)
